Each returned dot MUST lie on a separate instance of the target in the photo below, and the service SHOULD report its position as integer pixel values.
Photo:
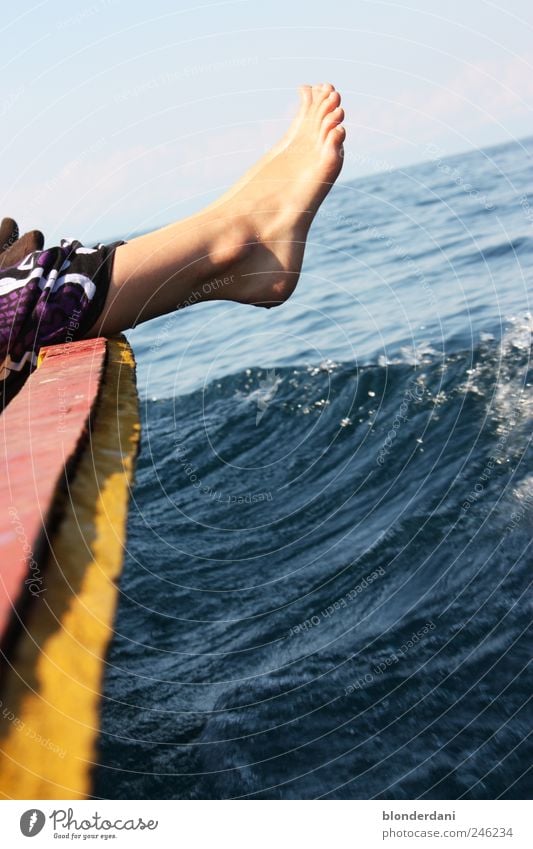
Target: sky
(122, 116)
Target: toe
(306, 94)
(320, 92)
(331, 120)
(331, 102)
(336, 137)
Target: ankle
(232, 244)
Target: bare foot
(249, 246)
(281, 199)
(306, 93)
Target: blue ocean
(325, 592)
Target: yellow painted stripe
(49, 717)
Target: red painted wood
(41, 430)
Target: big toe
(306, 94)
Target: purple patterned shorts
(53, 296)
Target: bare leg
(254, 237)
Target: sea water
(326, 578)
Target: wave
(330, 557)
